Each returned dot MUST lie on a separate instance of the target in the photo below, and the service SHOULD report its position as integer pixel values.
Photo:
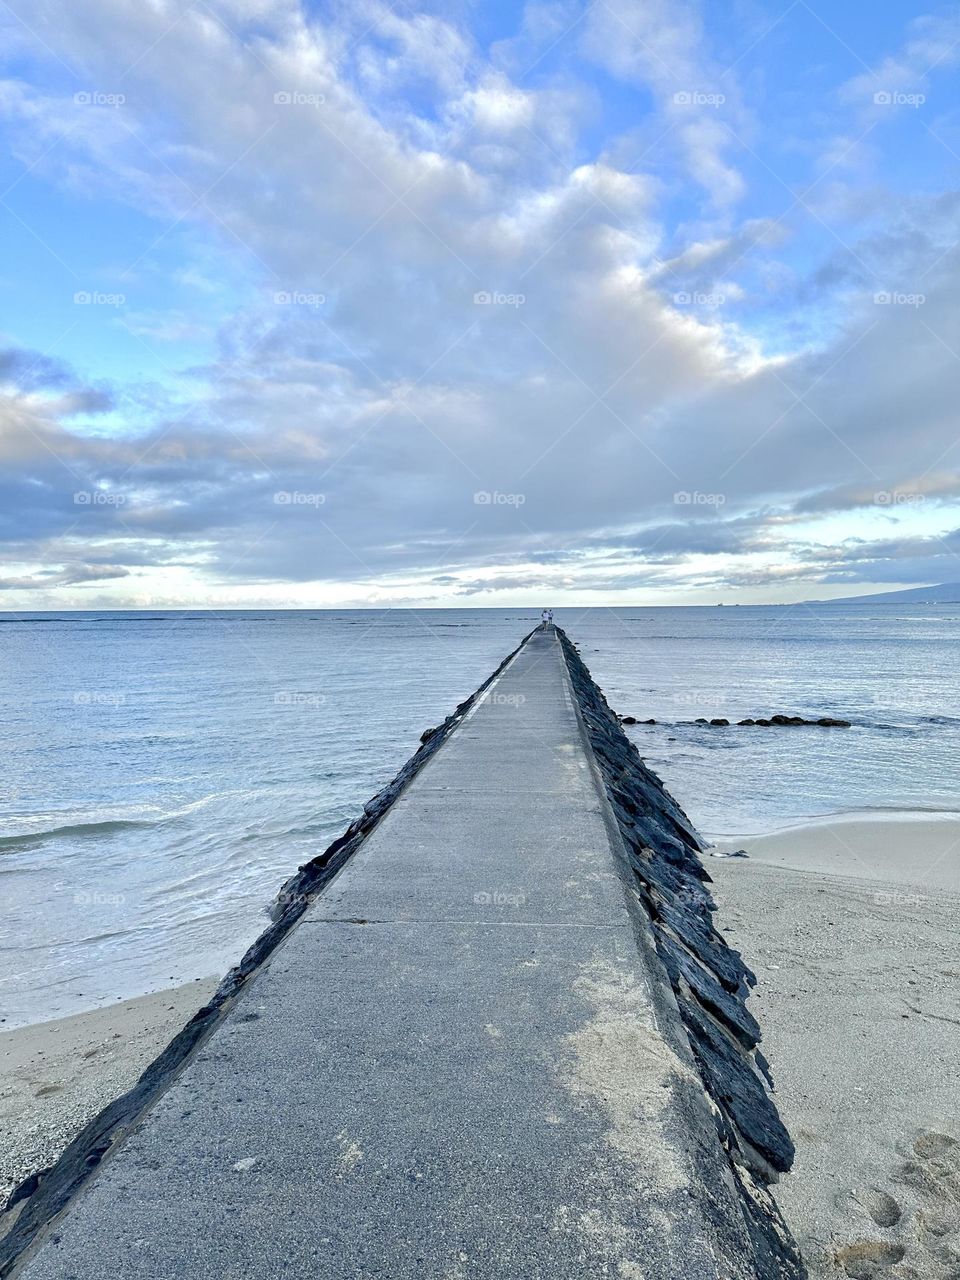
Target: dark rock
(709, 979)
(628, 719)
(709, 991)
(739, 1091)
(649, 722)
(25, 1189)
(427, 733)
(781, 721)
(705, 943)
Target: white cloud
(933, 46)
(588, 390)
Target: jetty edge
(613, 1119)
(710, 982)
(47, 1192)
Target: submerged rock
(779, 721)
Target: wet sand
(852, 929)
(55, 1076)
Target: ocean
(165, 772)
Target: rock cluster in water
(823, 722)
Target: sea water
(165, 772)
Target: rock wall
(709, 980)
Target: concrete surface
(455, 1066)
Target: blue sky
(346, 304)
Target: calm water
(154, 759)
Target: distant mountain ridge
(944, 593)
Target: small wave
(30, 622)
(29, 840)
(79, 827)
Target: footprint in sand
(865, 1259)
(44, 1090)
(921, 1222)
(882, 1208)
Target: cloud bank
(365, 305)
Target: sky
(477, 304)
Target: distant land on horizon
(944, 593)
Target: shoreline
(857, 998)
(55, 1076)
(920, 848)
(850, 927)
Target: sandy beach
(851, 927)
(55, 1076)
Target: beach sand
(852, 929)
(55, 1076)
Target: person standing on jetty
(546, 617)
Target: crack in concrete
(627, 925)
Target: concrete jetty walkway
(463, 1062)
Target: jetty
(492, 1033)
